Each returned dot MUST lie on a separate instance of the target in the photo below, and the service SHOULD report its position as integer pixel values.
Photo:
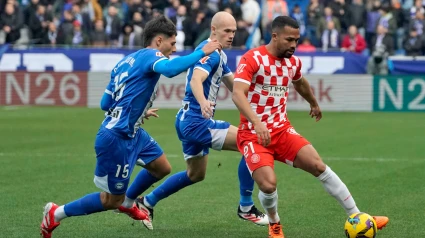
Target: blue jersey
(133, 87)
(215, 65)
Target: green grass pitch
(47, 154)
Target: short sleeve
(110, 87)
(226, 70)
(153, 56)
(246, 69)
(208, 63)
(298, 75)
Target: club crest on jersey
(159, 54)
(291, 73)
(204, 60)
(255, 158)
(240, 68)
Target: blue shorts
(117, 156)
(198, 134)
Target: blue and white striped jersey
(215, 65)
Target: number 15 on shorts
(124, 173)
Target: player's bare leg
(309, 160)
(152, 172)
(246, 209)
(265, 178)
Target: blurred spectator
(306, 46)
(330, 37)
(93, 9)
(324, 20)
(82, 18)
(171, 11)
(298, 15)
(353, 41)
(356, 16)
(52, 35)
(418, 23)
(387, 20)
(234, 6)
(128, 38)
(241, 35)
(98, 37)
(183, 25)
(112, 25)
(38, 24)
(118, 8)
(66, 28)
(250, 14)
(138, 22)
(10, 24)
(413, 44)
(270, 10)
(339, 10)
(315, 12)
(418, 7)
(371, 23)
(383, 46)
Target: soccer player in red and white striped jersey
(265, 134)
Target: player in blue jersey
(199, 132)
(120, 141)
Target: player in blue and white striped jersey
(199, 132)
(120, 140)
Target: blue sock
(170, 186)
(88, 204)
(141, 183)
(246, 184)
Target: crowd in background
(363, 26)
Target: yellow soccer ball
(360, 225)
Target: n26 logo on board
(399, 93)
(23, 88)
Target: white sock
(128, 202)
(145, 201)
(269, 203)
(335, 187)
(245, 208)
(60, 214)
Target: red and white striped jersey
(269, 78)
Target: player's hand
(211, 47)
(207, 108)
(263, 134)
(316, 112)
(150, 113)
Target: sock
(246, 186)
(128, 202)
(88, 204)
(170, 186)
(336, 188)
(269, 203)
(141, 183)
(60, 214)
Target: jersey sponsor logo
(275, 91)
(159, 54)
(240, 68)
(255, 158)
(204, 60)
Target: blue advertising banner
(103, 60)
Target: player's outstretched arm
(171, 68)
(240, 90)
(303, 88)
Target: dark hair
(156, 26)
(281, 21)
